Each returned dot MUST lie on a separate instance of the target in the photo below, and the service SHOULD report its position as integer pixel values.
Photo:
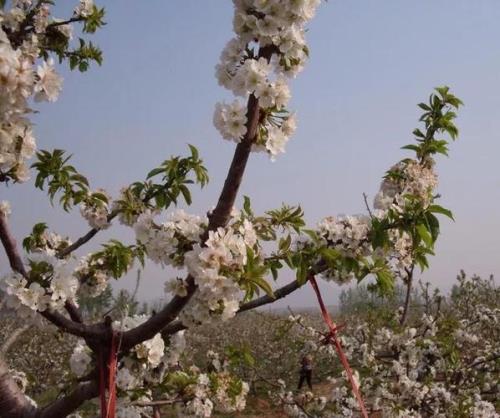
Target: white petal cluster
(49, 243)
(49, 82)
(294, 406)
(407, 178)
(215, 268)
(84, 8)
(149, 352)
(230, 120)
(5, 208)
(97, 212)
(199, 408)
(278, 27)
(166, 243)
(177, 287)
(176, 347)
(20, 80)
(125, 380)
(51, 290)
(20, 378)
(216, 391)
(224, 399)
(401, 254)
(80, 359)
(92, 277)
(349, 236)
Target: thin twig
(365, 198)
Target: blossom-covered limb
(17, 265)
(83, 239)
(137, 197)
(220, 215)
(218, 218)
(156, 323)
(280, 293)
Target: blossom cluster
(92, 276)
(167, 243)
(21, 79)
(216, 268)
(96, 211)
(149, 352)
(407, 189)
(269, 47)
(209, 392)
(5, 209)
(408, 178)
(53, 285)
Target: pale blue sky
(371, 63)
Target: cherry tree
(228, 258)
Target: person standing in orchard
(306, 371)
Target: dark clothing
(305, 374)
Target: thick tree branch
(156, 323)
(10, 245)
(73, 312)
(13, 403)
(97, 331)
(64, 406)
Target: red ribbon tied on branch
(108, 406)
(332, 338)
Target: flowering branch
(280, 293)
(218, 218)
(76, 328)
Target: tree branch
(17, 265)
(218, 218)
(409, 283)
(10, 245)
(80, 241)
(13, 402)
(88, 332)
(62, 407)
(280, 293)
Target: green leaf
(284, 244)
(264, 285)
(412, 147)
(441, 210)
(155, 172)
(247, 207)
(425, 235)
(385, 282)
